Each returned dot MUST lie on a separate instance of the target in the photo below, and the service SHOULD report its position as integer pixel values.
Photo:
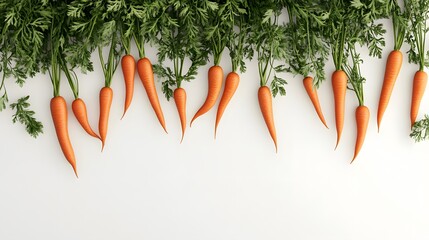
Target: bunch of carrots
(282, 36)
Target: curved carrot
(60, 119)
(128, 64)
(266, 104)
(180, 100)
(231, 84)
(79, 111)
(215, 77)
(362, 119)
(419, 86)
(312, 93)
(339, 86)
(393, 66)
(144, 68)
(106, 96)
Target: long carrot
(128, 64)
(231, 84)
(419, 86)
(393, 66)
(339, 87)
(106, 96)
(362, 119)
(215, 77)
(266, 104)
(312, 93)
(180, 100)
(145, 70)
(60, 118)
(79, 111)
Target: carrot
(79, 111)
(266, 104)
(419, 86)
(339, 86)
(128, 64)
(231, 83)
(215, 77)
(312, 93)
(60, 119)
(393, 66)
(362, 118)
(144, 68)
(180, 100)
(106, 96)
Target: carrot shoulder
(312, 94)
(266, 104)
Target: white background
(145, 185)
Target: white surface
(145, 185)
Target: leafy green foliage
(420, 130)
(25, 116)
(418, 13)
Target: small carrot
(419, 86)
(180, 100)
(312, 93)
(106, 96)
(60, 118)
(393, 66)
(79, 111)
(362, 119)
(266, 104)
(339, 87)
(145, 70)
(128, 64)
(215, 77)
(231, 85)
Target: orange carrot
(419, 86)
(128, 64)
(339, 86)
(231, 84)
(180, 100)
(312, 93)
(362, 119)
(106, 96)
(79, 111)
(215, 77)
(393, 66)
(144, 68)
(60, 119)
(266, 104)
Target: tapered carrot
(180, 100)
(144, 68)
(419, 86)
(215, 77)
(266, 104)
(339, 87)
(231, 84)
(60, 119)
(362, 119)
(393, 66)
(79, 111)
(128, 64)
(106, 96)
(312, 93)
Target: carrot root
(362, 119)
(339, 87)
(106, 96)
(419, 86)
(79, 111)
(312, 94)
(180, 100)
(128, 64)
(265, 100)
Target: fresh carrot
(266, 104)
(145, 70)
(128, 64)
(79, 111)
(312, 93)
(231, 83)
(362, 119)
(419, 86)
(106, 96)
(60, 119)
(180, 100)
(215, 77)
(339, 86)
